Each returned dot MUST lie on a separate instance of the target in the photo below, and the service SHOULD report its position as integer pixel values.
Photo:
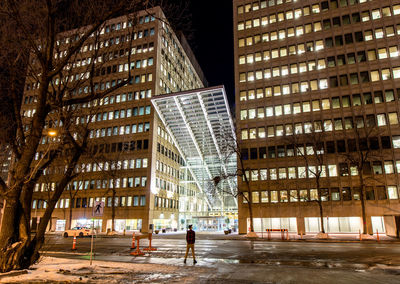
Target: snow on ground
(60, 270)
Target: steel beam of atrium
(181, 152)
(192, 118)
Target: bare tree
(310, 147)
(35, 46)
(363, 150)
(231, 150)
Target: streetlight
(52, 133)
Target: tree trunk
(321, 209)
(113, 211)
(70, 215)
(17, 251)
(251, 215)
(362, 198)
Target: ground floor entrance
(313, 224)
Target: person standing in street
(190, 240)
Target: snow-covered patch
(57, 270)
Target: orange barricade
(150, 248)
(283, 231)
(133, 241)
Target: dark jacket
(190, 237)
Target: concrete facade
(326, 69)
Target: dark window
(356, 99)
(348, 38)
(333, 82)
(330, 147)
(329, 42)
(253, 153)
(244, 153)
(343, 80)
(370, 122)
(271, 152)
(381, 192)
(341, 146)
(281, 151)
(346, 194)
(338, 40)
(262, 152)
(324, 6)
(353, 78)
(361, 57)
(343, 169)
(369, 192)
(331, 61)
(327, 24)
(378, 97)
(367, 98)
(346, 20)
(356, 193)
(341, 60)
(146, 144)
(355, 17)
(364, 77)
(84, 202)
(363, 144)
(359, 36)
(78, 202)
(336, 22)
(385, 140)
(351, 58)
(334, 4)
(374, 143)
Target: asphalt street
(252, 261)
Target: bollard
(150, 248)
(301, 235)
(137, 252)
(269, 235)
(287, 235)
(282, 234)
(74, 243)
(133, 241)
(377, 235)
(359, 232)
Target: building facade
(327, 72)
(132, 165)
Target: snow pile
(52, 270)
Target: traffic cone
(74, 243)
(133, 241)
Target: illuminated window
(245, 134)
(368, 35)
(374, 76)
(317, 26)
(376, 14)
(396, 72)
(393, 118)
(261, 132)
(393, 51)
(243, 114)
(378, 33)
(365, 16)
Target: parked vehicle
(77, 231)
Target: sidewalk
(262, 236)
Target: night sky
(212, 42)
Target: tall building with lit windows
(318, 68)
(133, 163)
